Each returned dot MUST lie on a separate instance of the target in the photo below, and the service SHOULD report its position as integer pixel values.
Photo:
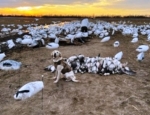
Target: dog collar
(56, 60)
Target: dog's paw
(68, 80)
(53, 78)
(77, 81)
(55, 81)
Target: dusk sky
(75, 7)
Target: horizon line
(91, 16)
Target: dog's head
(56, 55)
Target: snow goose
(4, 30)
(140, 56)
(148, 37)
(70, 37)
(105, 39)
(27, 39)
(134, 40)
(10, 44)
(18, 40)
(56, 40)
(52, 45)
(50, 68)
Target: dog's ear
(54, 56)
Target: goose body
(26, 41)
(10, 43)
(52, 45)
(50, 68)
(105, 39)
(134, 40)
(140, 56)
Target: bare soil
(94, 95)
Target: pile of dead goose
(97, 65)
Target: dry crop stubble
(95, 95)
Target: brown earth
(95, 95)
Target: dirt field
(95, 95)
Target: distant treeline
(79, 16)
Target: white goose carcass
(135, 35)
(84, 34)
(134, 40)
(27, 39)
(71, 37)
(5, 30)
(105, 39)
(140, 56)
(10, 44)
(52, 45)
(148, 37)
(52, 36)
(18, 40)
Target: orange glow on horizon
(24, 8)
(95, 9)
